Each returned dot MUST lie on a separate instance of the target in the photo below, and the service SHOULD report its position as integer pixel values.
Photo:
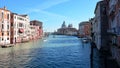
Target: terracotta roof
(36, 22)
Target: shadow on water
(99, 60)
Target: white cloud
(51, 16)
(47, 4)
(50, 3)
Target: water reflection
(55, 53)
(14, 58)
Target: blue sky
(53, 12)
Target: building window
(2, 34)
(20, 25)
(11, 24)
(15, 17)
(7, 26)
(7, 38)
(2, 39)
(7, 33)
(11, 17)
(8, 16)
(2, 26)
(2, 15)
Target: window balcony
(21, 30)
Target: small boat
(45, 40)
(5, 46)
(85, 40)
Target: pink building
(4, 26)
(20, 28)
(36, 29)
(85, 29)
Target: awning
(21, 30)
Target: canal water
(53, 52)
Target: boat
(5, 46)
(85, 40)
(45, 40)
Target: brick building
(36, 26)
(85, 29)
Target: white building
(101, 26)
(20, 28)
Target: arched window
(2, 15)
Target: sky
(53, 12)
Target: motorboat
(45, 40)
(85, 40)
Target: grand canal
(54, 52)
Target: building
(113, 13)
(92, 21)
(17, 28)
(67, 30)
(33, 31)
(20, 28)
(114, 21)
(36, 29)
(85, 29)
(63, 25)
(4, 26)
(101, 26)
